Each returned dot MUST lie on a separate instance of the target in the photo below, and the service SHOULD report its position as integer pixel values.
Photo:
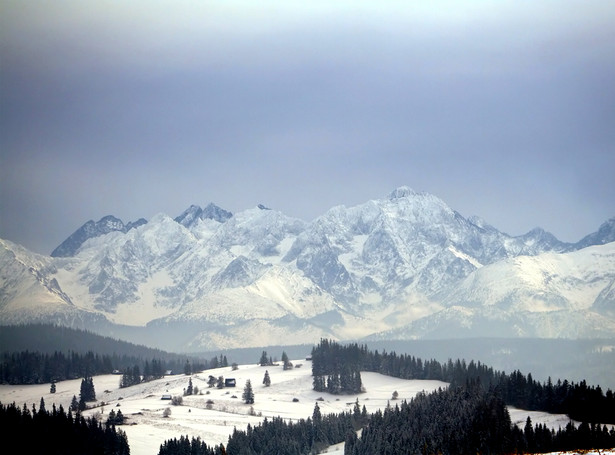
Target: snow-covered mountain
(405, 266)
(90, 230)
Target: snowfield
(290, 396)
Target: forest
(37, 368)
(469, 416)
(337, 364)
(59, 433)
(460, 420)
(40, 353)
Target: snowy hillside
(405, 266)
(290, 396)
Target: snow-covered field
(290, 396)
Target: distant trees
(248, 393)
(115, 418)
(211, 381)
(336, 369)
(87, 392)
(74, 404)
(287, 364)
(29, 367)
(265, 360)
(266, 379)
(190, 389)
(130, 377)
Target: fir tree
(286, 362)
(87, 392)
(248, 393)
(264, 361)
(189, 390)
(74, 404)
(267, 379)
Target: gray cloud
(503, 110)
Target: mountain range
(406, 266)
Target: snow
(465, 257)
(409, 259)
(146, 428)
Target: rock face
(405, 266)
(91, 230)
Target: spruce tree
(87, 392)
(287, 364)
(74, 404)
(267, 379)
(264, 361)
(248, 393)
(189, 389)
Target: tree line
(466, 419)
(463, 419)
(29, 367)
(332, 362)
(58, 432)
(469, 416)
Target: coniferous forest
(37, 368)
(469, 416)
(461, 420)
(43, 353)
(332, 361)
(57, 432)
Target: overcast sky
(504, 109)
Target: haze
(505, 110)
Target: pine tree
(267, 379)
(74, 404)
(264, 361)
(87, 392)
(189, 390)
(287, 363)
(248, 393)
(52, 389)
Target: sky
(503, 109)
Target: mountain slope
(92, 230)
(549, 295)
(406, 265)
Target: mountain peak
(92, 229)
(401, 192)
(605, 234)
(195, 213)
